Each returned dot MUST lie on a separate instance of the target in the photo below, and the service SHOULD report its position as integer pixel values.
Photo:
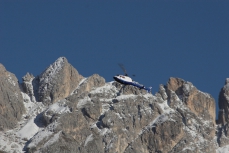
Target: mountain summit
(62, 111)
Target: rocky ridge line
(66, 112)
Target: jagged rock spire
(57, 81)
(200, 103)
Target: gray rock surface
(28, 86)
(11, 101)
(200, 103)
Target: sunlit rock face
(11, 101)
(200, 103)
(57, 81)
(197, 110)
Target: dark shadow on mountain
(25, 148)
(39, 120)
(114, 100)
(35, 84)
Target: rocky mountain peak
(57, 81)
(87, 84)
(200, 103)
(227, 81)
(2, 69)
(176, 85)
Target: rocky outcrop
(197, 110)
(28, 86)
(200, 103)
(11, 101)
(224, 103)
(161, 138)
(89, 83)
(99, 119)
(57, 81)
(223, 119)
(83, 115)
(108, 117)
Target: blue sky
(155, 40)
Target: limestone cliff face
(11, 106)
(195, 107)
(224, 103)
(89, 83)
(223, 121)
(57, 81)
(200, 103)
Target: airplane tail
(149, 89)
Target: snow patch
(107, 88)
(223, 149)
(186, 88)
(43, 134)
(16, 94)
(52, 70)
(148, 96)
(206, 94)
(9, 142)
(123, 97)
(29, 130)
(32, 108)
(105, 108)
(59, 107)
(11, 81)
(158, 120)
(53, 139)
(83, 102)
(88, 139)
(188, 148)
(119, 116)
(80, 83)
(165, 107)
(39, 137)
(104, 131)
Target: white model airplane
(126, 80)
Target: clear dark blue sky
(153, 39)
